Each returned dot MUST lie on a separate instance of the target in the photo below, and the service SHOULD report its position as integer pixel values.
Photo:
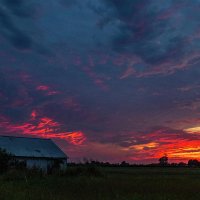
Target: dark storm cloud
(15, 18)
(12, 33)
(19, 8)
(136, 27)
(68, 3)
(153, 30)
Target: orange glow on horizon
(140, 147)
(193, 130)
(179, 146)
(179, 150)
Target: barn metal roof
(31, 147)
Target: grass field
(104, 183)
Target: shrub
(88, 171)
(6, 160)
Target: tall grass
(86, 183)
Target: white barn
(34, 152)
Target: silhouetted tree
(124, 164)
(193, 163)
(5, 160)
(182, 164)
(163, 161)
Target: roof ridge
(25, 137)
(27, 146)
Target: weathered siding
(43, 164)
(39, 163)
(63, 166)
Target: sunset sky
(110, 80)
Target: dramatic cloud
(110, 80)
(162, 34)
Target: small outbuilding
(34, 152)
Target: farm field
(103, 184)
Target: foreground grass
(108, 183)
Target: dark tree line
(162, 162)
(193, 163)
(7, 161)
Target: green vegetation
(92, 183)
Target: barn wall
(43, 164)
(39, 163)
(63, 166)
